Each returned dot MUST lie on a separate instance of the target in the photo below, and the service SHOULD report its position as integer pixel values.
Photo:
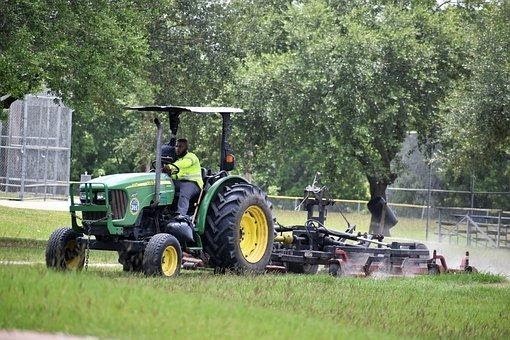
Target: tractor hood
(124, 196)
(132, 180)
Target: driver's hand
(169, 169)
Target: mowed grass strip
(27, 250)
(109, 304)
(30, 223)
(200, 304)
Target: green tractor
(134, 214)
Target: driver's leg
(188, 190)
(177, 185)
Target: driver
(187, 175)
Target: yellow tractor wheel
(63, 251)
(162, 256)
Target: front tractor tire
(239, 231)
(63, 251)
(162, 256)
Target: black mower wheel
(335, 269)
(433, 269)
(300, 268)
(162, 256)
(63, 251)
(239, 229)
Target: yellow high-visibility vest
(189, 169)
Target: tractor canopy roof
(181, 109)
(226, 157)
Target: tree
(475, 125)
(363, 77)
(281, 133)
(92, 54)
(200, 45)
(478, 111)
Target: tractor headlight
(100, 196)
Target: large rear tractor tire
(239, 229)
(162, 256)
(63, 251)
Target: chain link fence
(459, 225)
(35, 149)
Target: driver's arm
(181, 163)
(184, 162)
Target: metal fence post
(24, 148)
(428, 203)
(468, 231)
(457, 232)
(46, 150)
(8, 144)
(439, 238)
(499, 229)
(69, 130)
(472, 192)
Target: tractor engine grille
(118, 203)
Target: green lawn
(31, 224)
(108, 303)
(12, 249)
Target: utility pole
(428, 201)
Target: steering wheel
(163, 163)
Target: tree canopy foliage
(327, 85)
(93, 54)
(354, 81)
(477, 112)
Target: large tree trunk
(377, 189)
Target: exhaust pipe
(157, 188)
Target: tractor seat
(210, 177)
(206, 173)
(207, 177)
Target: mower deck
(302, 248)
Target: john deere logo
(134, 206)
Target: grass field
(109, 303)
(106, 302)
(31, 224)
(15, 250)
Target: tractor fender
(210, 194)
